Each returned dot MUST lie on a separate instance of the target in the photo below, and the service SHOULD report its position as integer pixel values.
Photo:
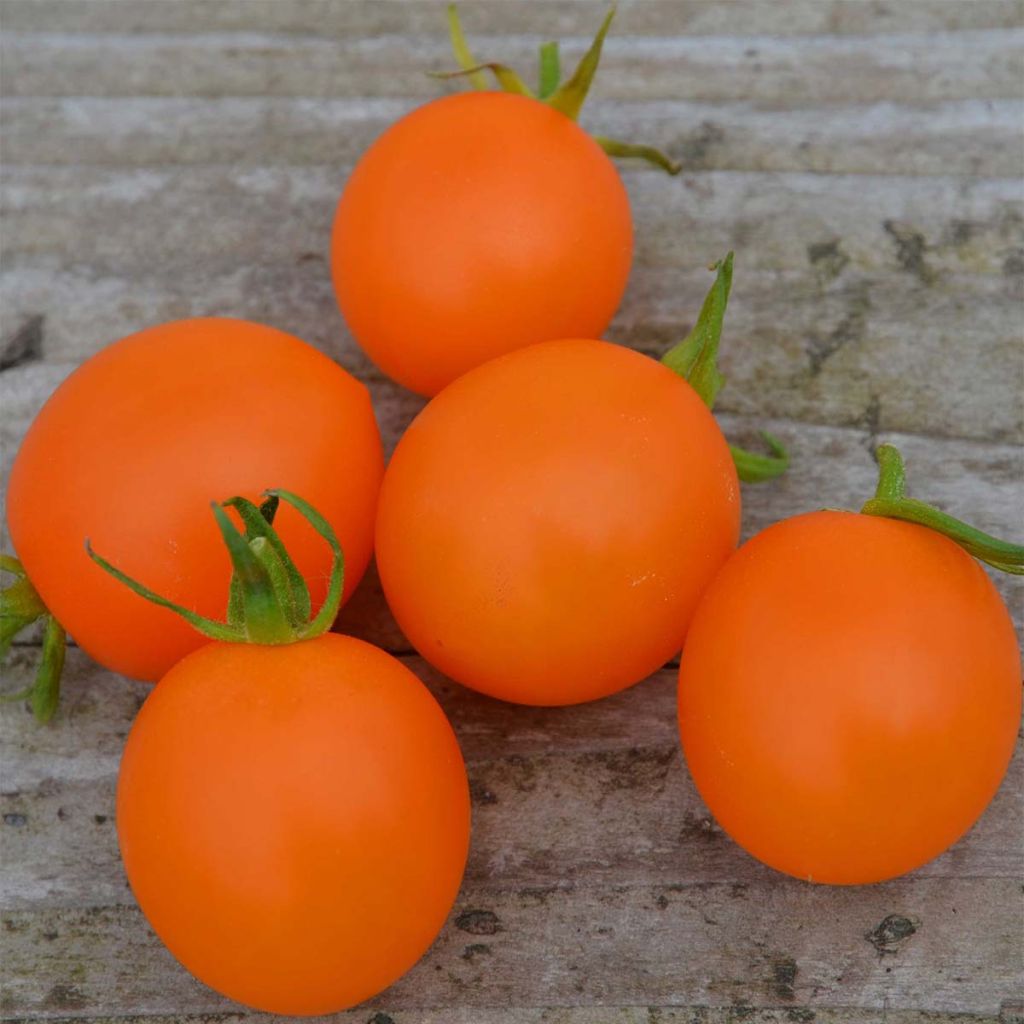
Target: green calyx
(567, 97)
(21, 607)
(695, 359)
(890, 501)
(268, 601)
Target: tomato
(292, 806)
(130, 450)
(548, 522)
(293, 820)
(478, 224)
(849, 695)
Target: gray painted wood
(170, 158)
(368, 18)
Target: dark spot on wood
(661, 901)
(16, 820)
(48, 787)
(309, 257)
(382, 1018)
(62, 815)
(910, 250)
(960, 232)
(890, 933)
(50, 936)
(478, 922)
(522, 773)
(475, 950)
(635, 768)
(800, 1015)
(700, 828)
(25, 345)
(64, 997)
(784, 972)
(480, 794)
(694, 152)
(539, 895)
(849, 329)
(100, 819)
(1013, 265)
(827, 258)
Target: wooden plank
(545, 783)
(932, 230)
(328, 19)
(777, 71)
(719, 945)
(851, 302)
(865, 348)
(946, 138)
(593, 1015)
(981, 483)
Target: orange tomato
(478, 224)
(294, 820)
(548, 522)
(131, 449)
(849, 696)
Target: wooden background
(173, 158)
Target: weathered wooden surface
(167, 158)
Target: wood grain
(598, 795)
(718, 944)
(368, 18)
(897, 300)
(172, 158)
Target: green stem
(268, 599)
(258, 523)
(46, 688)
(614, 147)
(754, 468)
(265, 620)
(570, 96)
(506, 77)
(550, 69)
(890, 501)
(335, 587)
(208, 627)
(20, 607)
(695, 359)
(462, 52)
(566, 97)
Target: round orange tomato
(478, 224)
(131, 449)
(849, 696)
(294, 820)
(548, 522)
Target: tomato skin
(547, 523)
(849, 696)
(478, 223)
(133, 447)
(294, 821)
